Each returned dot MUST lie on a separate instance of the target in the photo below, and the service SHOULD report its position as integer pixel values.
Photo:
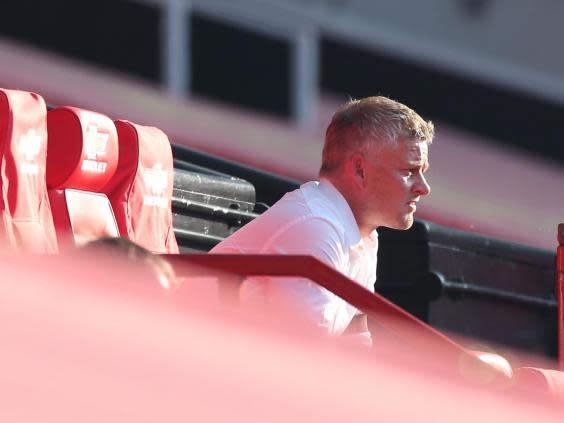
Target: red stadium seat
(82, 157)
(141, 189)
(26, 223)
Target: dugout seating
(26, 222)
(141, 189)
(212, 198)
(82, 157)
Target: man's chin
(401, 225)
(405, 223)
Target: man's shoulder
(303, 213)
(323, 203)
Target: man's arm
(357, 331)
(359, 324)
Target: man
(374, 158)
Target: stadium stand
(26, 222)
(141, 189)
(81, 159)
(89, 156)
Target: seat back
(82, 157)
(141, 190)
(26, 222)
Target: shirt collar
(345, 214)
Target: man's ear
(357, 168)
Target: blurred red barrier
(83, 342)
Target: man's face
(395, 183)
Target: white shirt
(315, 220)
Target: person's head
(119, 247)
(375, 153)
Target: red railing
(560, 294)
(406, 328)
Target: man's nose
(422, 187)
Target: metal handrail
(389, 316)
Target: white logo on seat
(29, 147)
(95, 145)
(156, 179)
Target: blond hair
(371, 121)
